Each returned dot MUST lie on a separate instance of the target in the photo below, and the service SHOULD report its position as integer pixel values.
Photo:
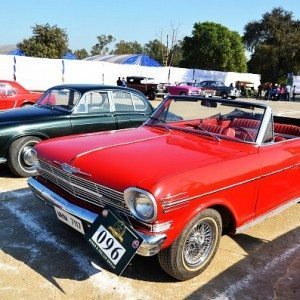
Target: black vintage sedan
(65, 110)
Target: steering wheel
(247, 133)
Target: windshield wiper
(208, 132)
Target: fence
(42, 73)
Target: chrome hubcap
(28, 158)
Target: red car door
(280, 167)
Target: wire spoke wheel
(194, 248)
(199, 243)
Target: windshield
(59, 98)
(212, 118)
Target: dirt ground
(41, 257)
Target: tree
(128, 48)
(101, 47)
(275, 45)
(167, 50)
(81, 54)
(47, 41)
(156, 50)
(213, 47)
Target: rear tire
(19, 158)
(151, 96)
(194, 249)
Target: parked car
(221, 89)
(247, 89)
(64, 110)
(143, 84)
(161, 90)
(13, 95)
(196, 169)
(186, 88)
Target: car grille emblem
(69, 169)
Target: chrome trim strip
(150, 246)
(170, 204)
(267, 215)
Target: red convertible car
(198, 168)
(13, 95)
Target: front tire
(194, 249)
(224, 95)
(19, 156)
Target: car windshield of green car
(59, 98)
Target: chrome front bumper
(150, 246)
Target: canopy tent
(69, 55)
(127, 59)
(11, 50)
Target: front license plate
(69, 219)
(114, 240)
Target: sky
(129, 20)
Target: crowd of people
(280, 92)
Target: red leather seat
(228, 131)
(248, 123)
(279, 138)
(211, 128)
(287, 129)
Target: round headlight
(143, 206)
(141, 203)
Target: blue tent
(16, 52)
(69, 55)
(128, 59)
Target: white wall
(42, 73)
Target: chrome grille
(86, 190)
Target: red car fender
(189, 213)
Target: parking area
(41, 257)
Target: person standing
(124, 83)
(287, 92)
(294, 93)
(119, 82)
(259, 91)
(281, 92)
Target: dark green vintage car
(65, 110)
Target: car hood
(136, 157)
(28, 113)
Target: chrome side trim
(178, 202)
(267, 215)
(150, 246)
